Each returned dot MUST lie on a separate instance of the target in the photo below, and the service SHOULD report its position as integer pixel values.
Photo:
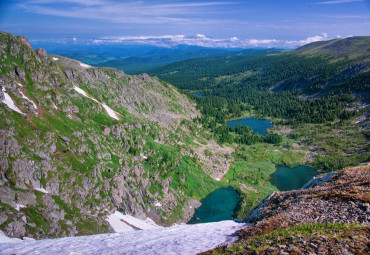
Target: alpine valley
(90, 150)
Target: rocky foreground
(329, 216)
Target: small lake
(217, 206)
(259, 126)
(286, 178)
(198, 95)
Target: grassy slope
(88, 169)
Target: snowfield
(123, 223)
(9, 102)
(41, 190)
(178, 239)
(84, 65)
(29, 100)
(112, 113)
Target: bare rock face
(16, 229)
(20, 72)
(66, 161)
(26, 173)
(41, 52)
(25, 41)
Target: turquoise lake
(286, 178)
(217, 206)
(259, 126)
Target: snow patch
(42, 190)
(179, 239)
(19, 206)
(54, 58)
(84, 65)
(10, 103)
(112, 113)
(82, 92)
(217, 179)
(6, 239)
(54, 106)
(20, 85)
(125, 223)
(29, 100)
(157, 204)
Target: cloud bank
(204, 41)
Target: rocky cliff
(77, 142)
(330, 215)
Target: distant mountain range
(134, 59)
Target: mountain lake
(217, 206)
(259, 126)
(286, 178)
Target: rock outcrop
(87, 139)
(331, 215)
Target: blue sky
(261, 23)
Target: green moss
(90, 227)
(37, 217)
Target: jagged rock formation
(77, 140)
(331, 211)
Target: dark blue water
(199, 95)
(257, 125)
(286, 178)
(217, 206)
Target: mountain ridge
(87, 140)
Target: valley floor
(178, 239)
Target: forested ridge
(272, 84)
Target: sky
(212, 23)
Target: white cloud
(311, 39)
(339, 1)
(203, 40)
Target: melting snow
(10, 103)
(84, 65)
(6, 239)
(179, 239)
(19, 206)
(54, 106)
(42, 190)
(124, 223)
(112, 113)
(82, 92)
(29, 100)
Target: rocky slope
(327, 216)
(77, 140)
